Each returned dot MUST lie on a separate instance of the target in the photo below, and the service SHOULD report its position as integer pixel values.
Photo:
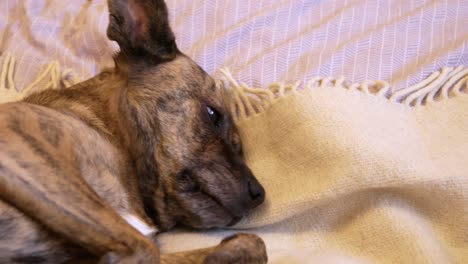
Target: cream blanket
(359, 175)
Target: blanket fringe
(446, 83)
(50, 77)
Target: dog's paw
(239, 249)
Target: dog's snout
(256, 192)
(252, 195)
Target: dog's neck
(101, 102)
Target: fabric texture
(358, 172)
(351, 172)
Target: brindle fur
(133, 140)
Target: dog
(91, 173)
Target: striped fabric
(261, 41)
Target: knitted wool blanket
(354, 173)
(357, 174)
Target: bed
(54, 43)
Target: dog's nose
(256, 192)
(252, 192)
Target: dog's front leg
(57, 197)
(237, 249)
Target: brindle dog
(149, 144)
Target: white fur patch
(139, 224)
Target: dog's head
(186, 150)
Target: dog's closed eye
(186, 182)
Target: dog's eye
(186, 182)
(214, 115)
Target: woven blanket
(360, 174)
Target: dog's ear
(141, 28)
